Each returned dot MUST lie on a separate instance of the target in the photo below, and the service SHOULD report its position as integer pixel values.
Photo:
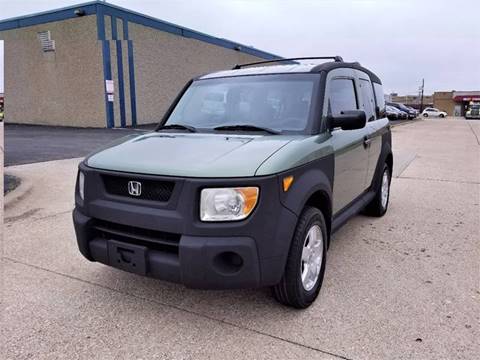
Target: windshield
(278, 102)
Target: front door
(351, 155)
(351, 162)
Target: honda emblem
(134, 188)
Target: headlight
(81, 184)
(227, 204)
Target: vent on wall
(46, 41)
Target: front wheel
(425, 115)
(442, 116)
(305, 268)
(379, 204)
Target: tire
(425, 115)
(291, 290)
(379, 204)
(442, 116)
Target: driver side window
(342, 96)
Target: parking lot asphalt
(403, 286)
(26, 144)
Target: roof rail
(335, 58)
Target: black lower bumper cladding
(168, 241)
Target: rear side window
(342, 96)
(367, 99)
(380, 98)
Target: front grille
(152, 239)
(155, 190)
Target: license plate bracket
(128, 257)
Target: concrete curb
(17, 194)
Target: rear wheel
(305, 268)
(379, 204)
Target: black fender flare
(310, 179)
(304, 187)
(384, 155)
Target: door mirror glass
(349, 120)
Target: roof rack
(335, 58)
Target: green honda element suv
(245, 179)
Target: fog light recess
(228, 262)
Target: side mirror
(349, 120)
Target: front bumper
(201, 262)
(169, 242)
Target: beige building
(98, 65)
(443, 100)
(454, 103)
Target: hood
(191, 155)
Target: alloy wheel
(312, 257)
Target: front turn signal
(287, 182)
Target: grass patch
(10, 183)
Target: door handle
(366, 141)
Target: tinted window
(342, 96)
(380, 98)
(367, 99)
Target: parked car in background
(411, 114)
(473, 111)
(392, 113)
(433, 112)
(403, 115)
(414, 110)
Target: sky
(402, 41)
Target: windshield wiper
(177, 126)
(247, 127)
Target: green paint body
(209, 155)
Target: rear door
(351, 157)
(373, 102)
